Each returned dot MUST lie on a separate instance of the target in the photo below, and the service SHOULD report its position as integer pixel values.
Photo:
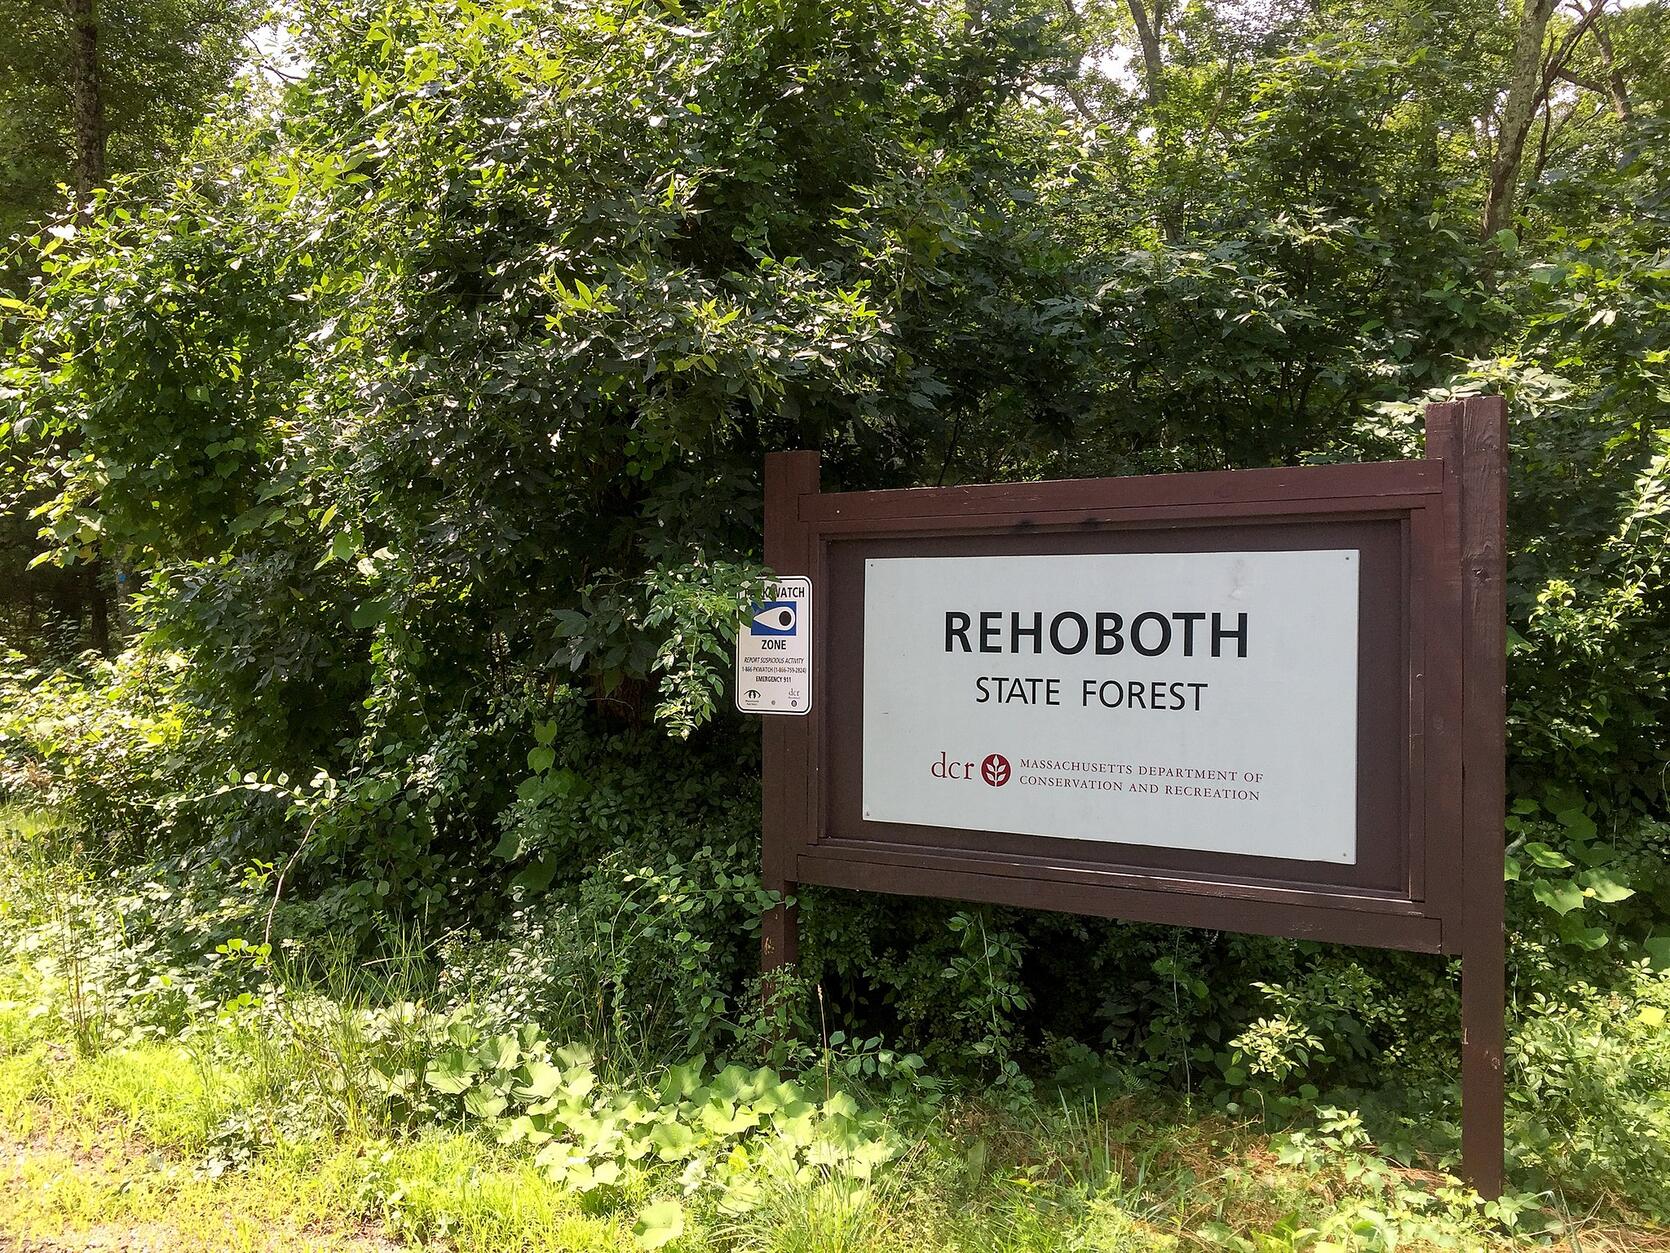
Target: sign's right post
(1471, 437)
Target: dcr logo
(994, 769)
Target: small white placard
(1202, 700)
(774, 651)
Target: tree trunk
(86, 98)
(98, 607)
(1148, 35)
(87, 115)
(1614, 77)
(1149, 26)
(1525, 87)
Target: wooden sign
(1268, 701)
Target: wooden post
(1484, 478)
(786, 742)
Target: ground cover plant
(337, 1111)
(386, 453)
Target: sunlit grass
(236, 1137)
(454, 1187)
(128, 1194)
(117, 1142)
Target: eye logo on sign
(775, 617)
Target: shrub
(104, 738)
(1589, 1097)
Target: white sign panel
(774, 651)
(1200, 701)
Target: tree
(1522, 95)
(89, 88)
(86, 100)
(1538, 63)
(95, 87)
(434, 396)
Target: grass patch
(442, 1186)
(121, 1192)
(335, 1114)
(114, 1143)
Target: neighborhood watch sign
(1203, 701)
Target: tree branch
(1557, 62)
(1579, 80)
(1614, 77)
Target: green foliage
(159, 65)
(731, 1133)
(104, 738)
(1575, 874)
(647, 965)
(642, 334)
(162, 63)
(1599, 1122)
(426, 405)
(304, 1061)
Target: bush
(648, 965)
(107, 739)
(1589, 1098)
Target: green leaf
(537, 876)
(778, 1095)
(452, 1072)
(541, 759)
(841, 1105)
(572, 1055)
(484, 1102)
(1604, 888)
(737, 1083)
(1562, 897)
(542, 1080)
(500, 1053)
(723, 1118)
(1546, 857)
(1581, 826)
(681, 1081)
(1574, 933)
(659, 1223)
(605, 1173)
(369, 613)
(516, 1129)
(673, 1140)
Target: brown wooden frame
(1431, 726)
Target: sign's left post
(786, 810)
